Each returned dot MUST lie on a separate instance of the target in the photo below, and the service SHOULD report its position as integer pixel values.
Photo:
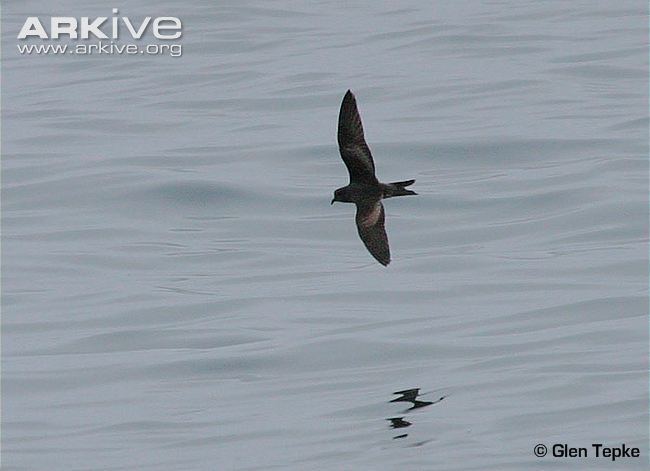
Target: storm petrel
(364, 190)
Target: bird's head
(339, 195)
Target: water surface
(178, 292)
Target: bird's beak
(333, 199)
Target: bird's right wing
(370, 224)
(352, 144)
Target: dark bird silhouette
(398, 422)
(364, 190)
(407, 395)
(410, 395)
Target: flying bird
(364, 190)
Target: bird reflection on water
(399, 422)
(408, 395)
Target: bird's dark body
(358, 191)
(364, 189)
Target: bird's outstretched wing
(370, 224)
(408, 395)
(352, 145)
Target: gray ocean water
(178, 293)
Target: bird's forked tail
(398, 189)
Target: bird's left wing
(370, 224)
